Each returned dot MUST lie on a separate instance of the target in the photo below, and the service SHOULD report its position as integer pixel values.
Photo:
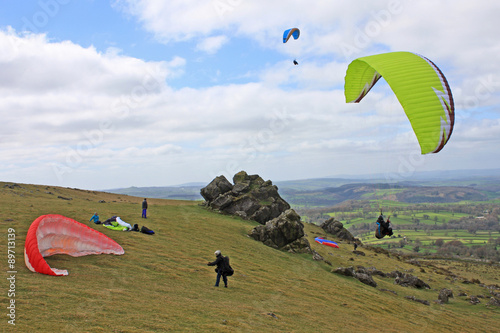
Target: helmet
(217, 253)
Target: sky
(109, 94)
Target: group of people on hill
(116, 223)
(223, 268)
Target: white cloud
(79, 114)
(211, 45)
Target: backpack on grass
(146, 230)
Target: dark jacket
(144, 204)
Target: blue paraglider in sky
(295, 32)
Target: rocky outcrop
(284, 232)
(337, 229)
(250, 197)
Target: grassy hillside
(162, 282)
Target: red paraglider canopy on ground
(57, 234)
(326, 242)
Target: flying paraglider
(326, 242)
(383, 227)
(57, 234)
(420, 87)
(289, 33)
(293, 32)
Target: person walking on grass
(223, 268)
(144, 208)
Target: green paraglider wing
(420, 87)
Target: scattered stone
(474, 300)
(317, 256)
(272, 315)
(358, 253)
(408, 280)
(64, 198)
(414, 262)
(374, 271)
(366, 279)
(12, 186)
(444, 295)
(494, 301)
(391, 291)
(102, 201)
(413, 298)
(347, 271)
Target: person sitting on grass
(95, 218)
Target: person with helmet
(221, 269)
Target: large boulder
(284, 232)
(217, 187)
(337, 229)
(250, 197)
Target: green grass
(162, 282)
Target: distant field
(468, 239)
(422, 225)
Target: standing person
(95, 218)
(355, 245)
(221, 269)
(144, 208)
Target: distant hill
(431, 187)
(186, 192)
(395, 192)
